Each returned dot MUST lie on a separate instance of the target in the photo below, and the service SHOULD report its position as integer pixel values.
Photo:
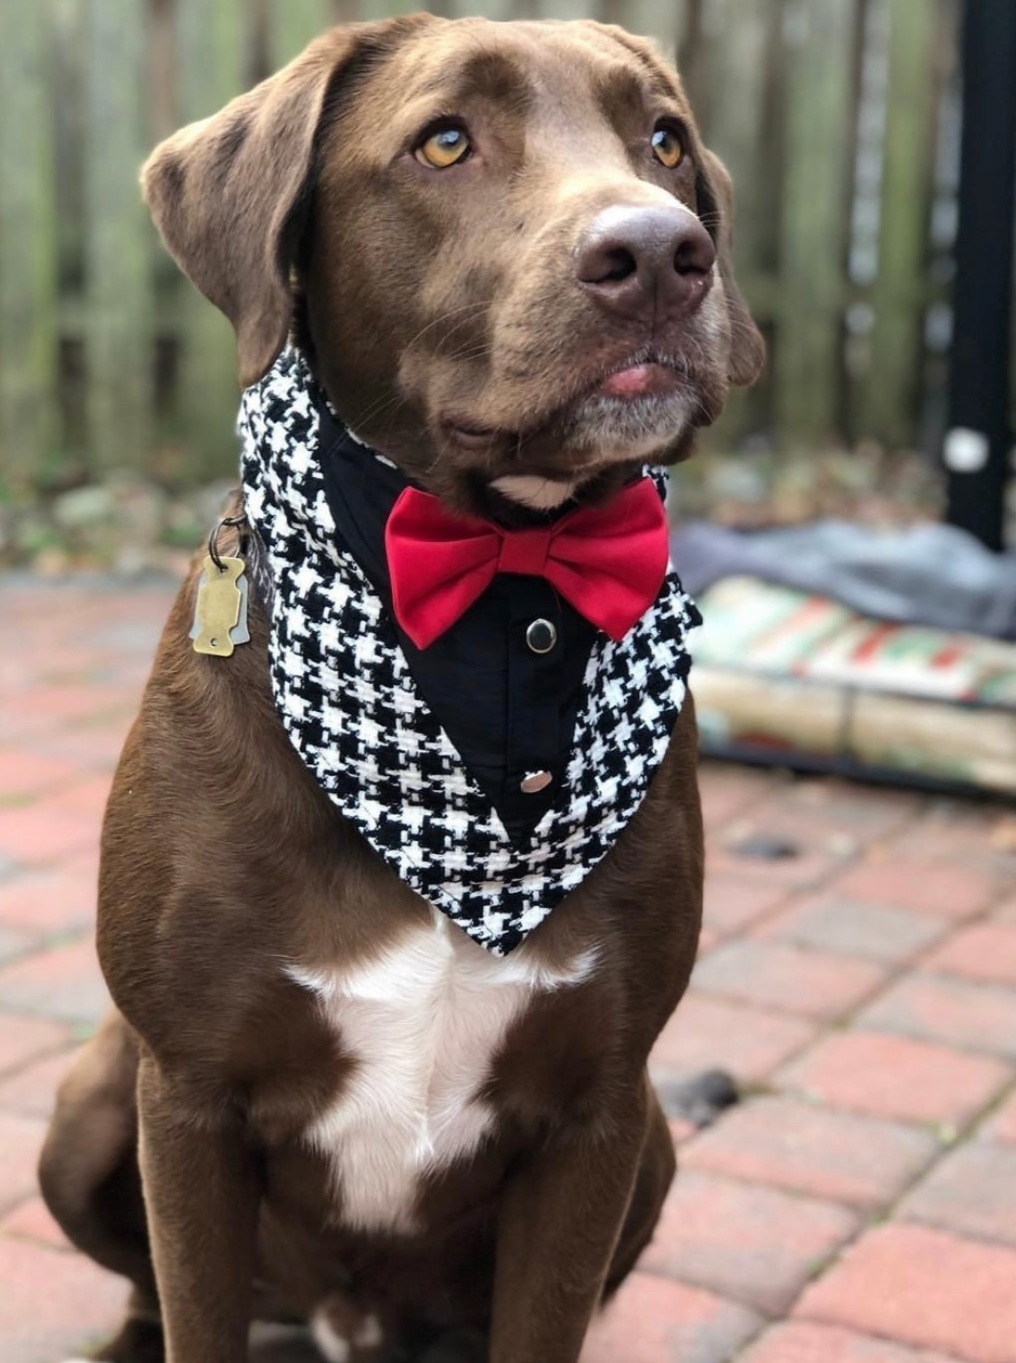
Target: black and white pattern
(352, 710)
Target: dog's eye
(667, 147)
(444, 147)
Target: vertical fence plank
(774, 82)
(28, 262)
(381, 9)
(663, 20)
(821, 38)
(487, 9)
(890, 396)
(733, 68)
(731, 75)
(211, 42)
(292, 24)
(565, 9)
(118, 246)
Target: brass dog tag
(220, 613)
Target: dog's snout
(637, 261)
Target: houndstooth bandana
(354, 713)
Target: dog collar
(493, 834)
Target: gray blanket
(929, 575)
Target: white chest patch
(423, 1021)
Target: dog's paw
(342, 1334)
(331, 1345)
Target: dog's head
(504, 247)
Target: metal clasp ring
(213, 538)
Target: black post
(978, 441)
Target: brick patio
(859, 1204)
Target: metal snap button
(541, 636)
(535, 782)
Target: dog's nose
(654, 261)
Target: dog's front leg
(201, 1197)
(558, 1227)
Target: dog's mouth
(639, 379)
(628, 412)
(621, 413)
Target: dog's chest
(423, 1023)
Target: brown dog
(472, 230)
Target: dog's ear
(229, 194)
(224, 194)
(715, 194)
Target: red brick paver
(891, 1076)
(1005, 913)
(20, 1141)
(877, 814)
(805, 1342)
(31, 1220)
(63, 983)
(972, 1191)
(732, 854)
(712, 1033)
(729, 791)
(810, 1149)
(772, 975)
(25, 774)
(876, 932)
(1002, 1125)
(976, 1017)
(41, 833)
(31, 1091)
(960, 833)
(984, 952)
(758, 1245)
(925, 1288)
(24, 1039)
(950, 890)
(50, 902)
(735, 902)
(866, 983)
(52, 1303)
(654, 1320)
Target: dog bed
(786, 677)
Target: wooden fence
(838, 118)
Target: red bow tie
(608, 561)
